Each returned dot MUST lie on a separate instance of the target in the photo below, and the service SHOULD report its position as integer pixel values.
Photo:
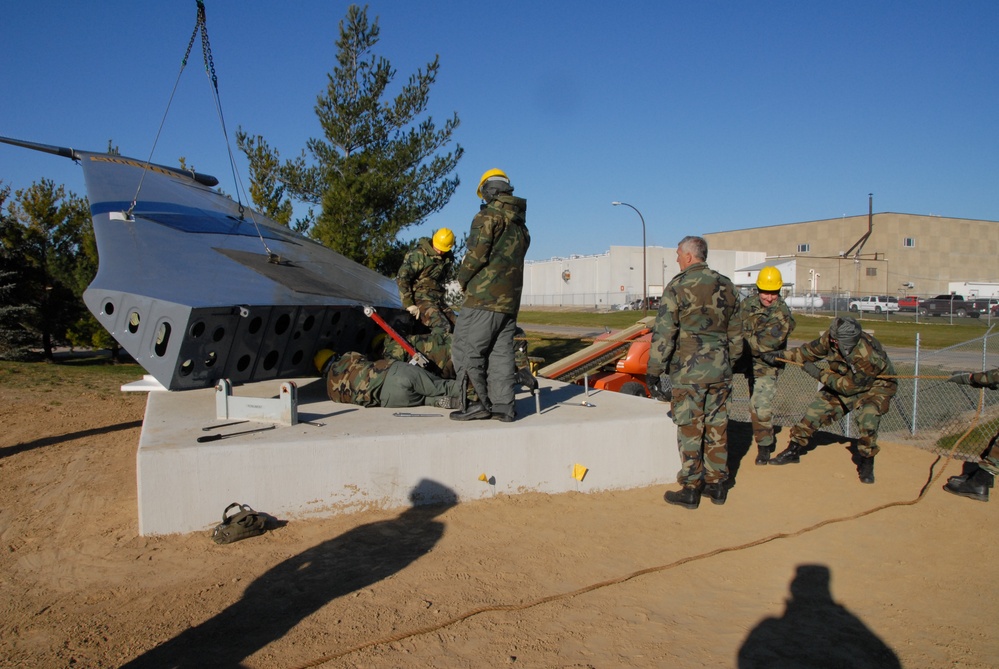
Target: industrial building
(872, 254)
(613, 279)
(875, 254)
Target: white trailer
(973, 289)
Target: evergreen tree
(378, 169)
(15, 339)
(266, 189)
(41, 240)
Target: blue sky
(706, 116)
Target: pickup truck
(875, 303)
(946, 305)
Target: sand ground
(614, 579)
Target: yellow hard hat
(769, 279)
(322, 358)
(443, 240)
(491, 174)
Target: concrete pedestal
(364, 458)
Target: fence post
(985, 347)
(915, 389)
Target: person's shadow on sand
(282, 597)
(814, 631)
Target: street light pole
(645, 282)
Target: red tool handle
(390, 331)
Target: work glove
(659, 390)
(526, 379)
(770, 357)
(414, 311)
(812, 370)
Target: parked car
(877, 304)
(946, 305)
(908, 303)
(639, 305)
(985, 305)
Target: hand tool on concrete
(403, 414)
(216, 437)
(578, 404)
(215, 427)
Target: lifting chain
(206, 47)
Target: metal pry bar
(416, 358)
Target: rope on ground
(931, 479)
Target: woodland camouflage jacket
(860, 372)
(492, 272)
(423, 274)
(764, 329)
(353, 379)
(697, 335)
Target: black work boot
(763, 454)
(717, 492)
(688, 497)
(475, 411)
(866, 469)
(789, 455)
(975, 486)
(968, 470)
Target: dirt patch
(600, 580)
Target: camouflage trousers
(436, 346)
(762, 390)
(436, 315)
(828, 407)
(701, 416)
(411, 386)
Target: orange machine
(614, 361)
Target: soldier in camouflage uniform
(353, 379)
(421, 279)
(766, 324)
(859, 378)
(435, 345)
(977, 477)
(695, 338)
(491, 276)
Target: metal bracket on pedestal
(282, 410)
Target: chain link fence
(927, 411)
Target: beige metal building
(881, 254)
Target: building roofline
(840, 218)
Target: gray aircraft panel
(197, 290)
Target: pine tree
(15, 339)
(378, 169)
(41, 241)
